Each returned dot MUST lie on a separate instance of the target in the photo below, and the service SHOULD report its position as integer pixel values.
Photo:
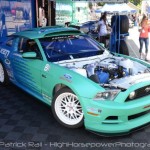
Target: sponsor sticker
(7, 61)
(66, 77)
(93, 111)
(4, 52)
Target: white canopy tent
(118, 8)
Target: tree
(136, 2)
(101, 3)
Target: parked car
(82, 82)
(88, 27)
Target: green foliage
(136, 2)
(90, 5)
(100, 3)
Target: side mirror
(30, 55)
(102, 44)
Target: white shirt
(44, 21)
(103, 29)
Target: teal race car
(82, 82)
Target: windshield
(70, 47)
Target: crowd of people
(143, 28)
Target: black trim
(120, 134)
(131, 117)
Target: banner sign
(15, 16)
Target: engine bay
(109, 70)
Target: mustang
(82, 82)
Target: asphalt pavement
(28, 124)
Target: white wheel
(4, 80)
(67, 109)
(2, 76)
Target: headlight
(132, 95)
(107, 95)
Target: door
(27, 71)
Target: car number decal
(47, 67)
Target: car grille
(138, 115)
(117, 119)
(141, 92)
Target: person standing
(102, 29)
(144, 28)
(42, 18)
(3, 29)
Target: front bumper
(110, 117)
(121, 133)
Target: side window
(22, 45)
(9, 42)
(28, 45)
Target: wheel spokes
(69, 109)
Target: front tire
(3, 75)
(67, 109)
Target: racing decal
(23, 74)
(147, 89)
(66, 77)
(63, 37)
(46, 96)
(16, 54)
(93, 111)
(7, 61)
(9, 68)
(47, 67)
(4, 52)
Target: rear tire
(4, 80)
